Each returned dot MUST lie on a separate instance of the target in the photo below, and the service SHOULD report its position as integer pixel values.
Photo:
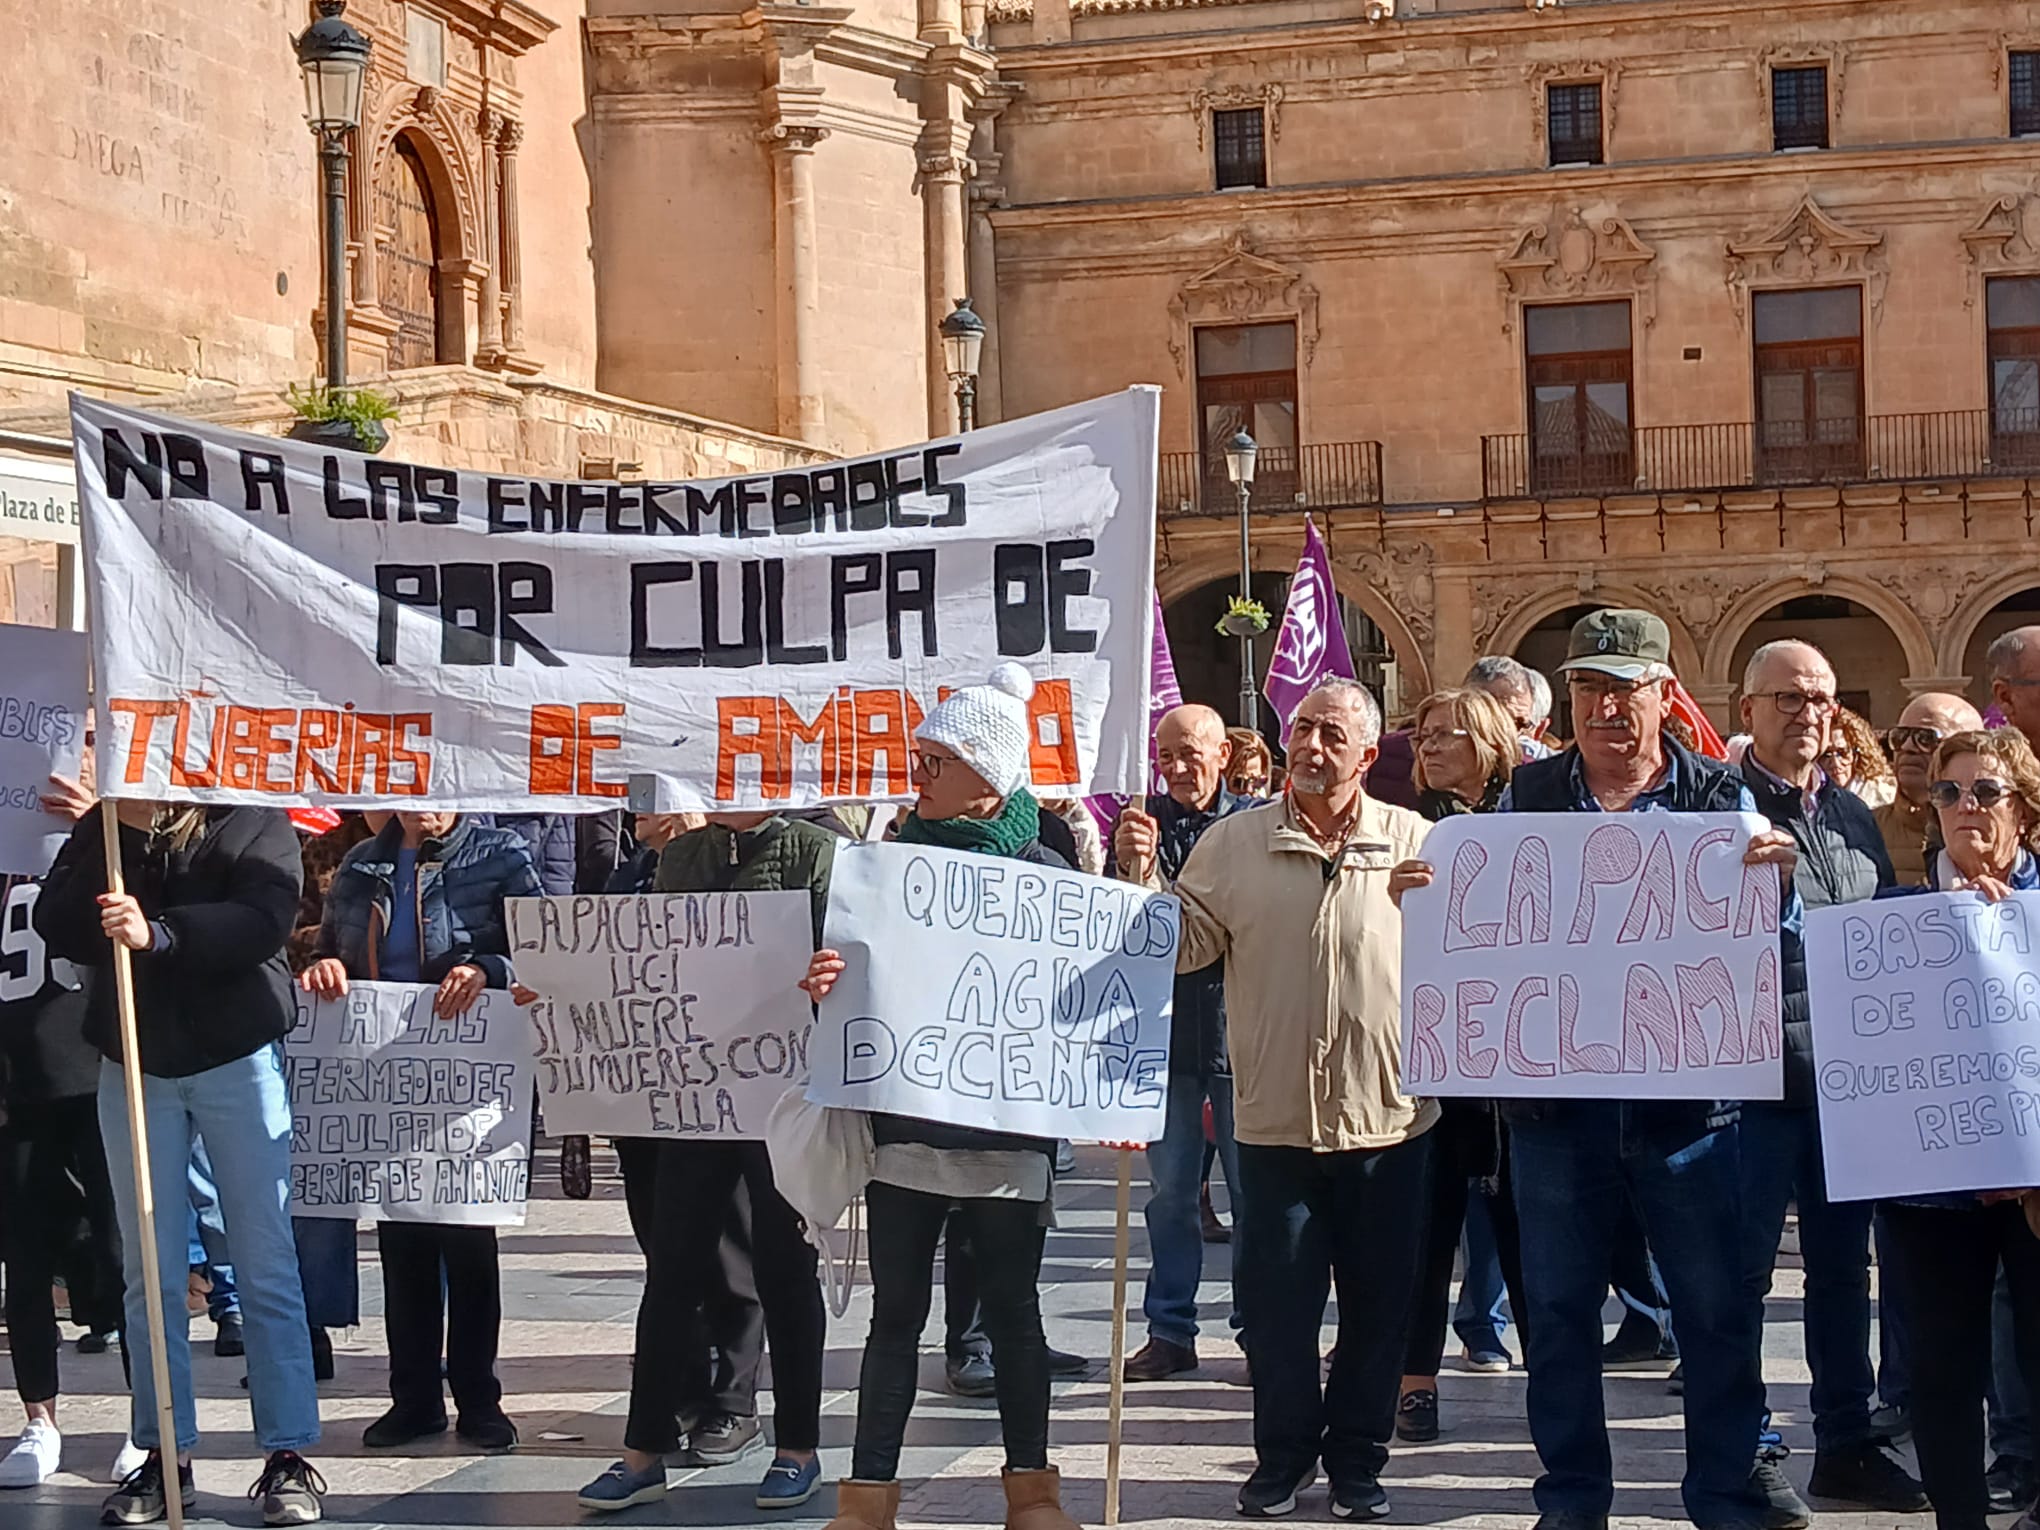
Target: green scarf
(1017, 826)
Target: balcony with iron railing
(1888, 448)
(1335, 475)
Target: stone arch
(1959, 632)
(448, 175)
(1518, 624)
(1903, 624)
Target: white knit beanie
(987, 727)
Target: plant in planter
(1243, 618)
(348, 418)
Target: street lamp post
(334, 57)
(1240, 452)
(963, 340)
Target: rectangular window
(1577, 359)
(1809, 366)
(1799, 107)
(1239, 155)
(1573, 118)
(1246, 380)
(2012, 310)
(2024, 73)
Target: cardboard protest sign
(666, 1014)
(400, 1116)
(1593, 956)
(998, 994)
(303, 626)
(1926, 1043)
(42, 732)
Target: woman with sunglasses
(1985, 789)
(1854, 760)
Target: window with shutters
(1809, 366)
(1573, 123)
(2012, 311)
(1799, 107)
(1577, 360)
(1239, 148)
(2023, 70)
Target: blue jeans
(1576, 1163)
(1477, 1317)
(1781, 1159)
(241, 1102)
(2011, 1405)
(1175, 1228)
(209, 1237)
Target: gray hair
(1363, 702)
(1540, 693)
(2007, 652)
(1769, 651)
(1498, 669)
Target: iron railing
(1879, 448)
(1336, 475)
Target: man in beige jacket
(1334, 1163)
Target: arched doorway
(1869, 661)
(409, 268)
(1543, 649)
(2020, 609)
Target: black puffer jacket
(226, 900)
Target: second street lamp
(334, 58)
(963, 342)
(1240, 452)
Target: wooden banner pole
(1116, 1408)
(145, 1196)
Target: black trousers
(467, 1321)
(1951, 1257)
(52, 1179)
(697, 1183)
(1431, 1308)
(902, 1228)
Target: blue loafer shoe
(788, 1483)
(622, 1488)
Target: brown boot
(865, 1505)
(1034, 1500)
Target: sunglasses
(1986, 793)
(1922, 739)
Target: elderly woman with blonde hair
(1985, 791)
(1466, 748)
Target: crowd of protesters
(1284, 1080)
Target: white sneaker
(33, 1460)
(129, 1461)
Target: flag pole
(145, 1196)
(1116, 1407)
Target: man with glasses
(1788, 709)
(2012, 664)
(1524, 695)
(1927, 719)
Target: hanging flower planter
(1243, 618)
(349, 418)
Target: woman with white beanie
(971, 767)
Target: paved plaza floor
(570, 1287)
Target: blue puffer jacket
(462, 882)
(550, 839)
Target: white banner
(400, 1116)
(1593, 956)
(998, 994)
(299, 626)
(667, 1014)
(1926, 1043)
(42, 732)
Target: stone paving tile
(570, 1282)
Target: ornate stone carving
(1402, 574)
(2005, 238)
(1587, 72)
(1933, 589)
(946, 167)
(1702, 598)
(1578, 258)
(1240, 289)
(1832, 56)
(426, 99)
(1207, 99)
(792, 137)
(1810, 248)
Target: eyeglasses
(1840, 754)
(1792, 703)
(1921, 739)
(929, 765)
(1597, 686)
(1986, 793)
(1439, 736)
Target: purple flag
(1312, 642)
(1164, 696)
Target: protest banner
(998, 994)
(398, 1115)
(304, 627)
(42, 733)
(1593, 956)
(666, 1014)
(1926, 1043)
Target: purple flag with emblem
(1312, 642)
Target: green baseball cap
(1630, 645)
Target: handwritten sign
(1926, 1041)
(401, 1116)
(997, 994)
(668, 1014)
(42, 732)
(1593, 956)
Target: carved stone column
(942, 178)
(800, 406)
(489, 344)
(508, 137)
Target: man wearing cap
(1578, 1161)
